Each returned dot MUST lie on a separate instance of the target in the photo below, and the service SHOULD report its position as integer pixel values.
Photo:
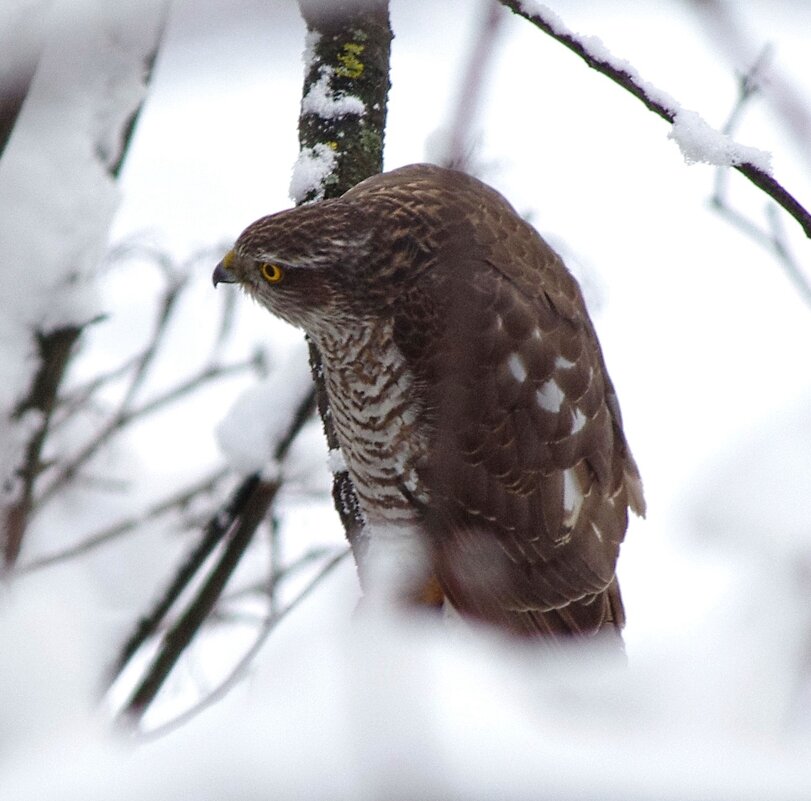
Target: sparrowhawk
(468, 391)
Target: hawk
(468, 390)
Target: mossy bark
(350, 42)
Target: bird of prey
(468, 391)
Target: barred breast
(375, 412)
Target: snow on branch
(352, 42)
(311, 173)
(57, 200)
(250, 431)
(324, 101)
(697, 139)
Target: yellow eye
(272, 273)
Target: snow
(259, 418)
(313, 166)
(703, 337)
(699, 142)
(323, 101)
(49, 700)
(335, 461)
(467, 716)
(776, 460)
(311, 40)
(57, 198)
(21, 38)
(549, 17)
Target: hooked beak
(221, 274)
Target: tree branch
(238, 520)
(352, 48)
(654, 100)
(239, 671)
(53, 350)
(125, 415)
(181, 633)
(175, 501)
(216, 529)
(460, 143)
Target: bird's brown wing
(529, 475)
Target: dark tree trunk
(353, 47)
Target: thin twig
(80, 396)
(175, 501)
(280, 574)
(181, 633)
(748, 86)
(785, 257)
(125, 415)
(632, 84)
(239, 519)
(218, 526)
(458, 153)
(772, 239)
(228, 307)
(161, 326)
(239, 671)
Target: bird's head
(307, 265)
(348, 260)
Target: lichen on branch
(341, 133)
(346, 84)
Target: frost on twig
(693, 134)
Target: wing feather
(529, 475)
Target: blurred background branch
(653, 99)
(772, 236)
